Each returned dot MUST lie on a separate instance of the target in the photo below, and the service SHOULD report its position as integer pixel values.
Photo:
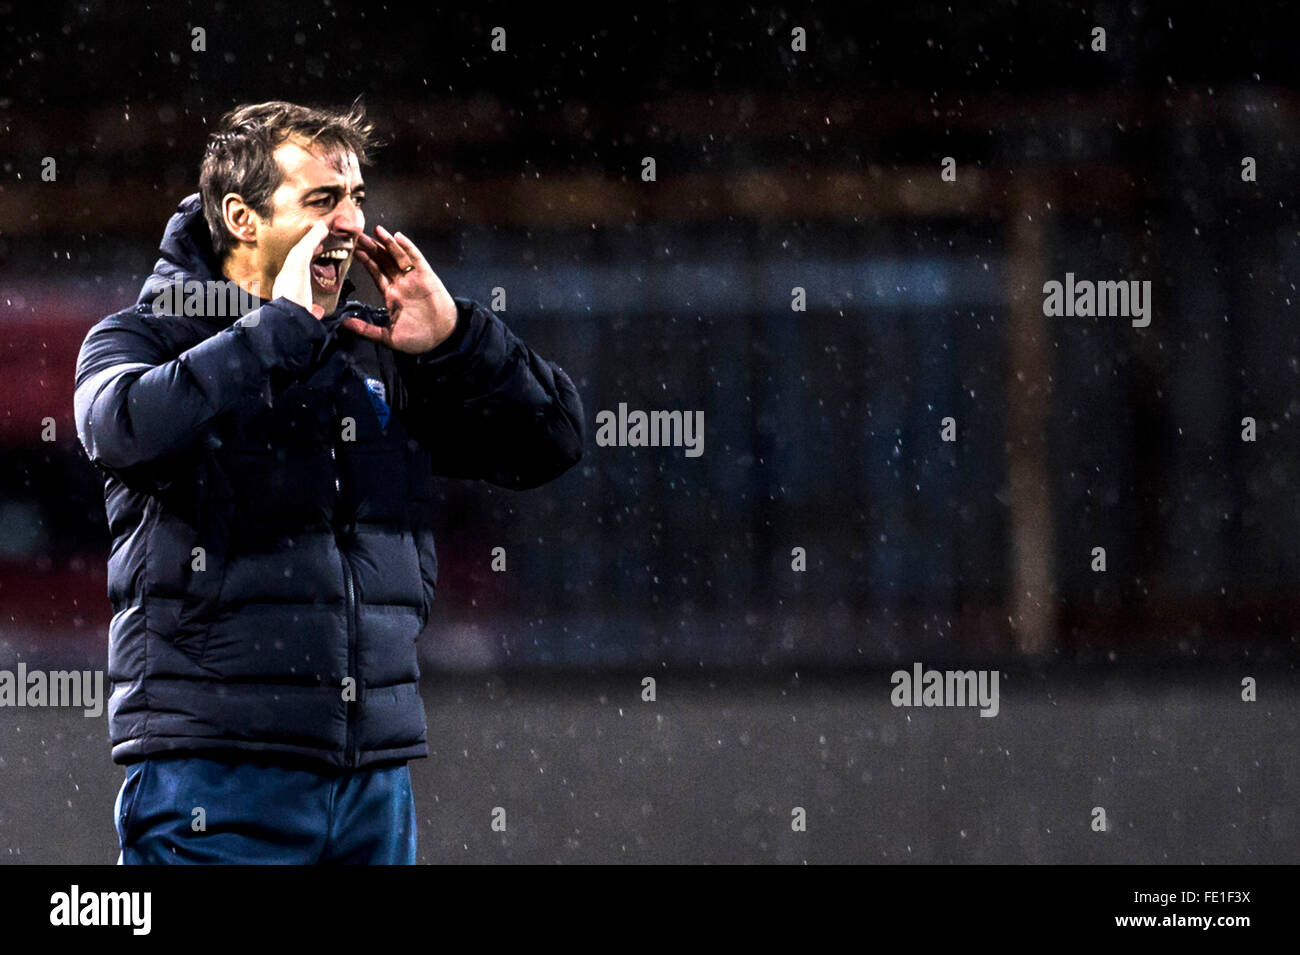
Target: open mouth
(327, 269)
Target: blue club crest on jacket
(375, 388)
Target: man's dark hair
(239, 156)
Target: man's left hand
(421, 312)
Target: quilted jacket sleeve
(487, 406)
(136, 404)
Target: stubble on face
(315, 184)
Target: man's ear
(239, 218)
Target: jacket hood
(185, 253)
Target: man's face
(316, 185)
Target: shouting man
(268, 480)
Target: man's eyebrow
(335, 191)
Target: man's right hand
(294, 280)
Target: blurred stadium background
(775, 169)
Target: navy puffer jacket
(268, 483)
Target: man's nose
(348, 219)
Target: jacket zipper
(350, 589)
